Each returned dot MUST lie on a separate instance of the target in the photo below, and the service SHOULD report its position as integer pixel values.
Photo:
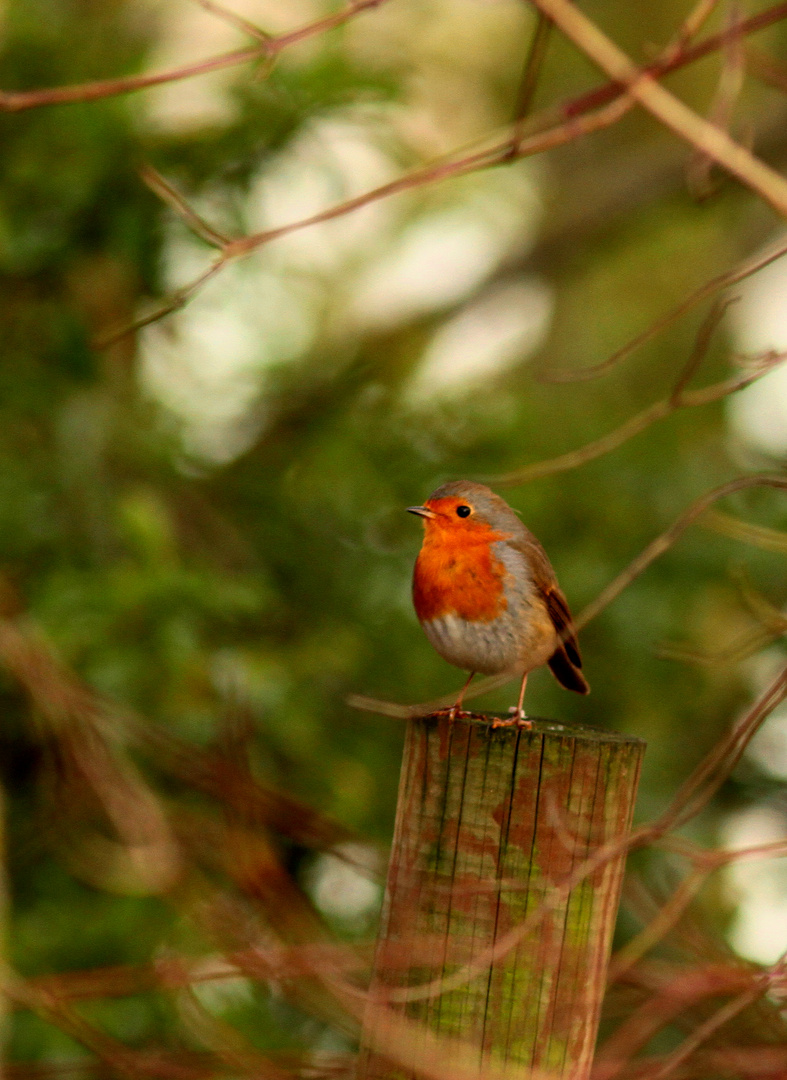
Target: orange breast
(457, 573)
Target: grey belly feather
(484, 647)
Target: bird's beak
(421, 511)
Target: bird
(486, 595)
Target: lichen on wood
(494, 935)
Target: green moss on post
(490, 826)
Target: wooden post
(490, 826)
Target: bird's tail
(567, 674)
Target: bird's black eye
(463, 511)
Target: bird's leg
(519, 713)
(456, 710)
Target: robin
(486, 594)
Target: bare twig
(495, 154)
(710, 288)
(534, 64)
(74, 728)
(613, 105)
(679, 398)
(671, 998)
(424, 708)
(692, 25)
(695, 793)
(165, 191)
(176, 301)
(766, 69)
(702, 343)
(20, 101)
(757, 535)
(236, 20)
(609, 102)
(710, 1027)
(728, 91)
(605, 112)
(658, 927)
(679, 55)
(103, 88)
(11, 101)
(744, 646)
(672, 112)
(665, 541)
(772, 622)
(712, 859)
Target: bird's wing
(557, 607)
(545, 582)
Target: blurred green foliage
(275, 579)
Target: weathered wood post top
(497, 926)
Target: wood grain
(489, 939)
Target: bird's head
(463, 508)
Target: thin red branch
(679, 56)
(16, 101)
(668, 109)
(570, 125)
(236, 20)
(172, 197)
(710, 288)
(668, 538)
(705, 1030)
(728, 91)
(678, 398)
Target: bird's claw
(519, 718)
(454, 714)
(520, 721)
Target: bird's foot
(454, 714)
(518, 717)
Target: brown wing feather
(566, 661)
(566, 674)
(557, 606)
